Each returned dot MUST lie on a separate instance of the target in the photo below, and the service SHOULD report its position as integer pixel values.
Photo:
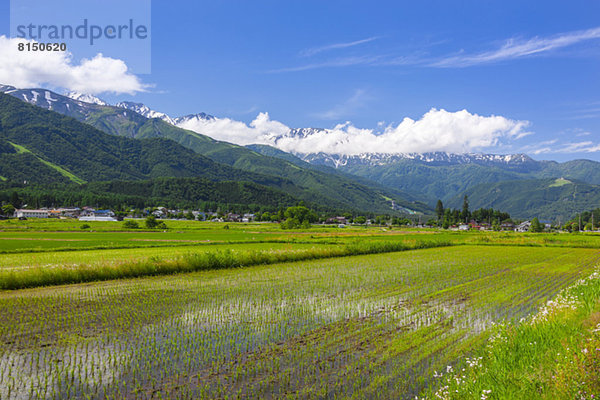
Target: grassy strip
(555, 354)
(35, 277)
(161, 244)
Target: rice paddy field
(452, 315)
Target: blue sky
(318, 64)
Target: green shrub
(129, 224)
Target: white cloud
(335, 46)
(579, 147)
(437, 130)
(558, 147)
(260, 131)
(517, 48)
(513, 48)
(335, 63)
(57, 69)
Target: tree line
(447, 217)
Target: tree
(190, 216)
(266, 217)
(439, 210)
(15, 200)
(360, 220)
(301, 213)
(536, 226)
(299, 216)
(495, 225)
(129, 224)
(151, 222)
(8, 210)
(465, 209)
(161, 225)
(291, 223)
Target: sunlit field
(327, 324)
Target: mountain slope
(197, 193)
(444, 176)
(548, 199)
(366, 180)
(274, 152)
(311, 184)
(93, 155)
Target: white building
(524, 227)
(98, 218)
(32, 213)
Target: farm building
(32, 213)
(524, 227)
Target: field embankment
(20, 278)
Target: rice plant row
(352, 327)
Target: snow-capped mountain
(302, 133)
(180, 121)
(438, 158)
(49, 100)
(146, 111)
(86, 98)
(6, 88)
(83, 106)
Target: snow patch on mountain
(86, 98)
(7, 88)
(145, 111)
(193, 118)
(48, 96)
(433, 158)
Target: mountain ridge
(158, 161)
(410, 178)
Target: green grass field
(388, 325)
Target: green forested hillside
(197, 193)
(91, 154)
(57, 148)
(549, 199)
(337, 186)
(410, 200)
(431, 181)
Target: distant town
(89, 214)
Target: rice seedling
(377, 326)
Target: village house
(99, 215)
(484, 226)
(199, 215)
(32, 213)
(523, 227)
(248, 218)
(336, 220)
(233, 217)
